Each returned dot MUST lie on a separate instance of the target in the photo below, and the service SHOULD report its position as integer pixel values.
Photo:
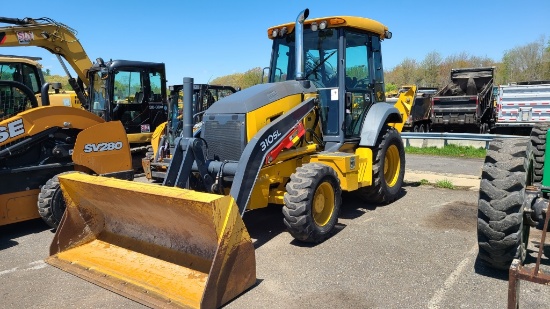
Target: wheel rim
(421, 128)
(323, 204)
(392, 165)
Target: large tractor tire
(312, 202)
(51, 204)
(388, 169)
(502, 235)
(535, 152)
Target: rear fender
(378, 116)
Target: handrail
(445, 136)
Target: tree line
(522, 63)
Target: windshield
(320, 58)
(21, 72)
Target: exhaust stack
(299, 35)
(187, 107)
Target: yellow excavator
(323, 128)
(132, 92)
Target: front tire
(312, 202)
(388, 169)
(502, 234)
(51, 204)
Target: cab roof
(21, 59)
(361, 23)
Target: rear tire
(421, 128)
(51, 204)
(388, 169)
(502, 235)
(312, 202)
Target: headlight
(313, 26)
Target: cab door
(364, 79)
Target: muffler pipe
(187, 107)
(299, 38)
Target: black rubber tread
(500, 213)
(298, 201)
(51, 204)
(536, 151)
(379, 192)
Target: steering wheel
(361, 82)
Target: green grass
(445, 183)
(424, 181)
(449, 151)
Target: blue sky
(208, 39)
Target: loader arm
(404, 105)
(55, 37)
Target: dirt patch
(456, 215)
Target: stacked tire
(535, 152)
(502, 235)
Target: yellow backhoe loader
(132, 92)
(39, 144)
(319, 127)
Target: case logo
(11, 130)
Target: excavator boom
(46, 33)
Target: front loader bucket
(160, 246)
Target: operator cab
(130, 91)
(343, 59)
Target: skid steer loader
(320, 127)
(133, 92)
(39, 144)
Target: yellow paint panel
(38, 119)
(103, 148)
(18, 206)
(345, 166)
(257, 119)
(365, 166)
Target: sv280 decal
(99, 147)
